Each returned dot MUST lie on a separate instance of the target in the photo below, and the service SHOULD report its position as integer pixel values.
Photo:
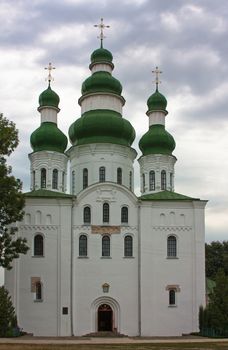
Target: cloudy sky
(187, 40)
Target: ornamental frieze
(172, 228)
(38, 227)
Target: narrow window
(143, 182)
(63, 181)
(172, 297)
(73, 182)
(171, 180)
(171, 247)
(105, 246)
(130, 180)
(38, 291)
(83, 245)
(102, 174)
(55, 179)
(152, 180)
(38, 245)
(124, 214)
(106, 212)
(87, 215)
(85, 178)
(33, 179)
(128, 246)
(163, 180)
(43, 178)
(119, 176)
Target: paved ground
(96, 340)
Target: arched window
(143, 182)
(105, 212)
(105, 246)
(171, 180)
(128, 246)
(163, 180)
(73, 182)
(43, 178)
(172, 297)
(33, 180)
(83, 245)
(85, 178)
(119, 176)
(171, 247)
(87, 215)
(38, 245)
(38, 291)
(55, 179)
(102, 174)
(152, 180)
(124, 214)
(130, 180)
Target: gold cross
(49, 68)
(101, 26)
(157, 72)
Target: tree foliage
(8, 319)
(215, 315)
(11, 198)
(216, 258)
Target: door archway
(105, 318)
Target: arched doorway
(105, 318)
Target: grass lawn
(170, 346)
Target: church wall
(93, 271)
(160, 274)
(43, 317)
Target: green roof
(157, 141)
(157, 102)
(101, 82)
(49, 98)
(166, 195)
(101, 126)
(42, 193)
(48, 137)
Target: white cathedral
(102, 259)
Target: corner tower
(48, 161)
(101, 138)
(157, 161)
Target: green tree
(11, 198)
(218, 306)
(216, 258)
(8, 319)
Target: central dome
(101, 126)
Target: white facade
(102, 259)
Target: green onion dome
(101, 82)
(48, 138)
(157, 141)
(101, 55)
(101, 126)
(48, 98)
(157, 102)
